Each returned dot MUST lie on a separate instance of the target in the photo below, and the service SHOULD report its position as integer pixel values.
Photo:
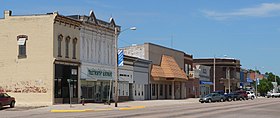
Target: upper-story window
(74, 47)
(60, 37)
(21, 40)
(67, 41)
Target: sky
(246, 30)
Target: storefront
(205, 87)
(66, 83)
(95, 83)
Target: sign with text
(99, 72)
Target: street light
(117, 33)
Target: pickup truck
(269, 94)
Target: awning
(21, 41)
(205, 82)
(168, 68)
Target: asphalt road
(258, 108)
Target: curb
(96, 110)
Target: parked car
(212, 97)
(5, 99)
(251, 95)
(243, 94)
(269, 94)
(233, 96)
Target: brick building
(227, 72)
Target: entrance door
(63, 73)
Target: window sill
(22, 56)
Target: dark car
(5, 99)
(243, 94)
(212, 97)
(233, 96)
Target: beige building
(168, 79)
(38, 54)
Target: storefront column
(173, 90)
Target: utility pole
(214, 74)
(116, 67)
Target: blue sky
(247, 30)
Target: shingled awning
(168, 68)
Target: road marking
(132, 108)
(63, 111)
(84, 110)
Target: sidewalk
(129, 105)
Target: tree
(264, 86)
(271, 77)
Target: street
(258, 108)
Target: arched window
(74, 47)
(67, 41)
(60, 37)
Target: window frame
(74, 48)
(67, 42)
(59, 45)
(21, 52)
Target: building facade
(227, 72)
(39, 54)
(204, 79)
(97, 57)
(134, 75)
(168, 79)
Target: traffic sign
(258, 81)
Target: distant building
(168, 79)
(204, 79)
(227, 72)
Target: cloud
(262, 10)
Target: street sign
(258, 81)
(120, 57)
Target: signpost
(70, 93)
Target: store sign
(100, 73)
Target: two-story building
(39, 55)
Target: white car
(251, 95)
(269, 94)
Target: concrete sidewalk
(129, 105)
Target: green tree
(264, 86)
(271, 77)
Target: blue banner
(120, 58)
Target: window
(74, 47)
(59, 40)
(153, 90)
(21, 40)
(67, 41)
(161, 90)
(170, 90)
